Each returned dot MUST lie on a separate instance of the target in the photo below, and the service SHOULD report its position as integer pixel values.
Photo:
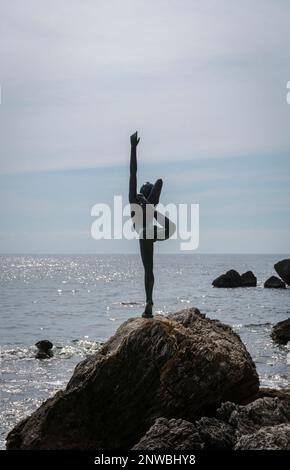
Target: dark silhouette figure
(143, 214)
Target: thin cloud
(205, 79)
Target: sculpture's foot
(147, 315)
(148, 311)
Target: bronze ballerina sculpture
(144, 214)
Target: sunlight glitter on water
(78, 302)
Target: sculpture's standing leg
(146, 249)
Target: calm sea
(77, 302)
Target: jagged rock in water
(281, 332)
(178, 366)
(44, 349)
(45, 345)
(283, 270)
(274, 283)
(230, 279)
(249, 279)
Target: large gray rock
(281, 332)
(283, 270)
(274, 283)
(230, 279)
(174, 367)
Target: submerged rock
(274, 283)
(178, 366)
(249, 279)
(281, 332)
(45, 345)
(230, 279)
(44, 349)
(283, 270)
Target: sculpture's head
(146, 189)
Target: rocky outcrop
(258, 424)
(178, 434)
(262, 424)
(267, 438)
(250, 418)
(175, 434)
(233, 279)
(249, 279)
(281, 332)
(274, 283)
(230, 279)
(264, 392)
(180, 366)
(215, 434)
(283, 270)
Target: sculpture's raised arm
(133, 168)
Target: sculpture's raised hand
(134, 139)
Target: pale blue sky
(244, 205)
(204, 82)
